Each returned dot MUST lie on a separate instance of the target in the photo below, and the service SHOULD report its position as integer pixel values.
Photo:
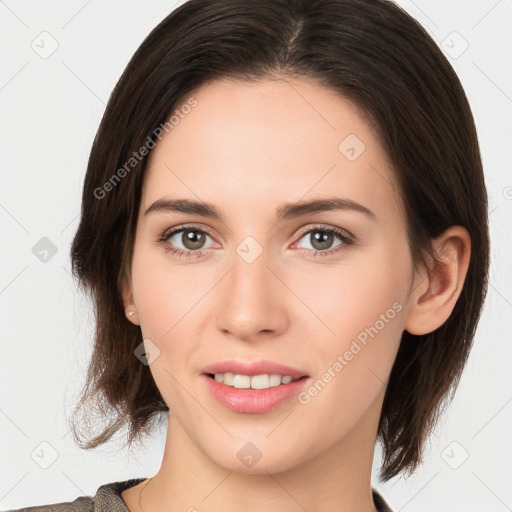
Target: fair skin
(247, 149)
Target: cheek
(353, 297)
(169, 307)
(162, 297)
(352, 366)
(362, 319)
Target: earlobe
(129, 305)
(436, 292)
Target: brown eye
(184, 241)
(192, 239)
(322, 239)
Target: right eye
(191, 239)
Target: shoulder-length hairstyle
(370, 52)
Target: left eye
(322, 239)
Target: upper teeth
(263, 381)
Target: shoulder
(81, 504)
(107, 499)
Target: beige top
(108, 499)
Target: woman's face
(322, 290)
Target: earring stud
(130, 313)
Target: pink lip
(253, 368)
(253, 401)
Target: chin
(259, 457)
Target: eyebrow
(284, 212)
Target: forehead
(272, 139)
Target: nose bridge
(250, 300)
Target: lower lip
(253, 401)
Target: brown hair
(368, 51)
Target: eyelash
(346, 239)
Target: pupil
(193, 239)
(323, 238)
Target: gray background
(59, 63)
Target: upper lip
(253, 368)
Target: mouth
(261, 381)
(242, 369)
(253, 394)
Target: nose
(252, 301)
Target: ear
(435, 292)
(128, 302)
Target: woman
(284, 232)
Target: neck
(336, 478)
